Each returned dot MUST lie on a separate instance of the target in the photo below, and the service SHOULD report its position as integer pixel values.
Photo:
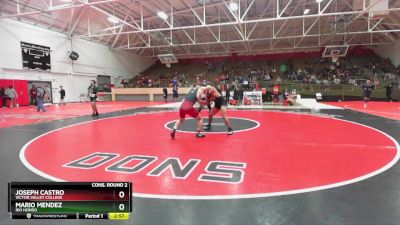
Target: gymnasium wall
(389, 51)
(95, 59)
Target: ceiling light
(113, 19)
(319, 1)
(306, 11)
(233, 6)
(66, 0)
(162, 15)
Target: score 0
(121, 196)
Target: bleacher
(313, 74)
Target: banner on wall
(35, 56)
(252, 98)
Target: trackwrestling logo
(215, 171)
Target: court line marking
(221, 197)
(217, 132)
(372, 111)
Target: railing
(150, 93)
(341, 92)
(334, 91)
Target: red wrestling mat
(390, 110)
(28, 115)
(286, 153)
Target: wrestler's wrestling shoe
(230, 131)
(200, 135)
(173, 133)
(207, 127)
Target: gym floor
(290, 165)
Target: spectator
(389, 92)
(367, 90)
(62, 95)
(4, 96)
(41, 93)
(48, 93)
(92, 93)
(267, 77)
(392, 78)
(257, 87)
(175, 93)
(174, 82)
(289, 97)
(293, 76)
(33, 94)
(12, 95)
(106, 87)
(227, 93)
(165, 92)
(235, 87)
(241, 93)
(209, 67)
(313, 78)
(336, 80)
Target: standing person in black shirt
(62, 95)
(92, 92)
(175, 92)
(227, 94)
(367, 90)
(389, 92)
(4, 96)
(165, 93)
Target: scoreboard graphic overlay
(35, 56)
(70, 200)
